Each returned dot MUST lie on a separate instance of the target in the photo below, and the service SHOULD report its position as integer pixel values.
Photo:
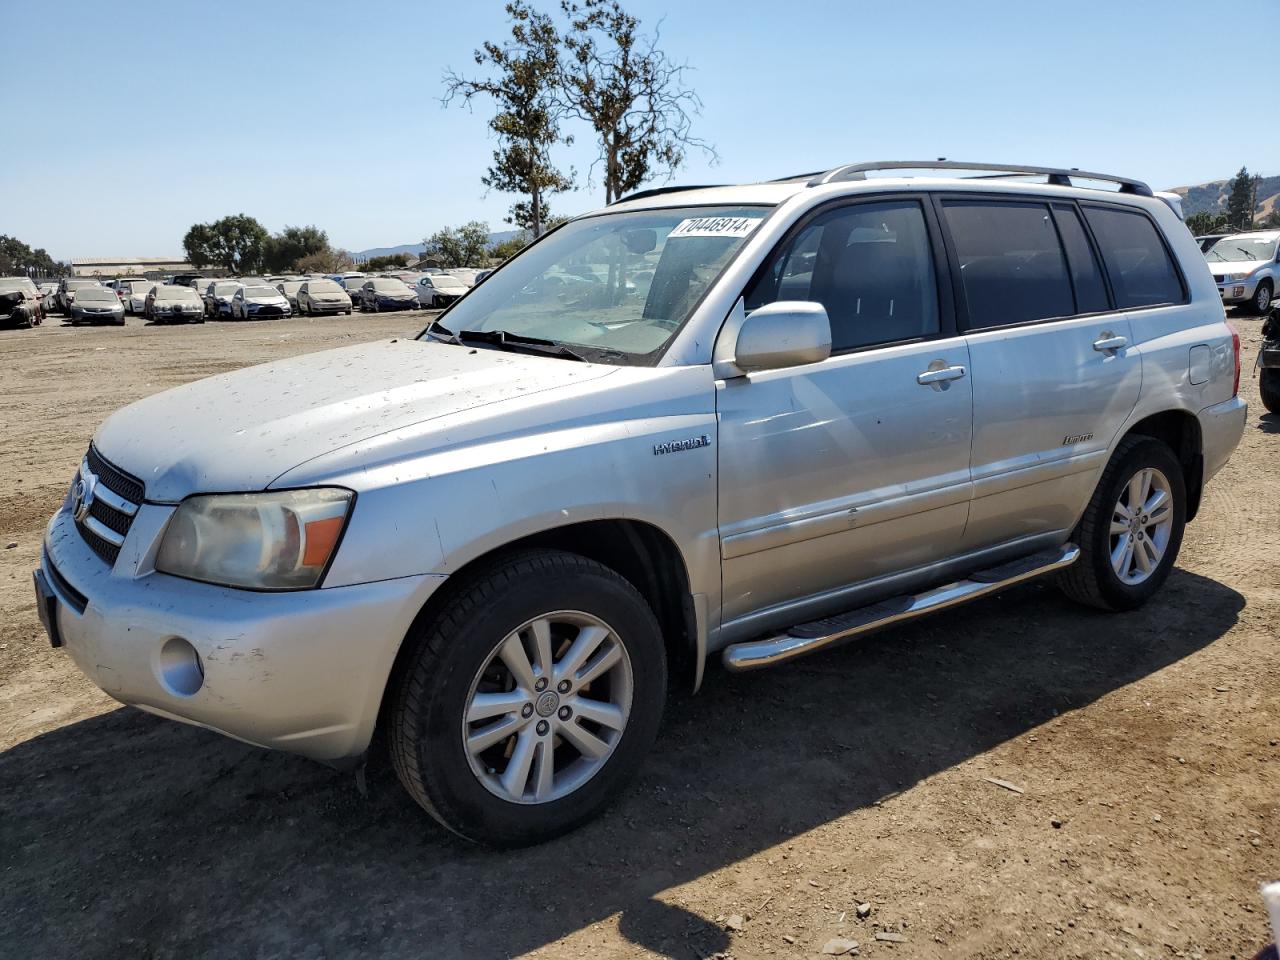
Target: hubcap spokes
(548, 708)
(1141, 523)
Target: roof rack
(657, 191)
(1056, 176)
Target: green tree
(236, 243)
(1240, 201)
(521, 84)
(632, 95)
(1201, 223)
(284, 249)
(466, 246)
(391, 261)
(18, 259)
(506, 249)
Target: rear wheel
(1269, 387)
(529, 700)
(1132, 529)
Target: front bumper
(1221, 427)
(302, 672)
(1238, 291)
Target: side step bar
(820, 634)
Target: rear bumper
(302, 672)
(1221, 427)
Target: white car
(259, 302)
(436, 290)
(467, 275)
(133, 294)
(1246, 267)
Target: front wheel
(1269, 387)
(1261, 301)
(1132, 529)
(529, 700)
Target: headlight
(265, 541)
(1237, 276)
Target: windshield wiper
(507, 340)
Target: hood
(241, 430)
(266, 298)
(1220, 267)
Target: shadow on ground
(129, 835)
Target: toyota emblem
(82, 496)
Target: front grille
(121, 483)
(112, 520)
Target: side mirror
(788, 333)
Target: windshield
(445, 282)
(82, 284)
(292, 286)
(225, 289)
(619, 284)
(385, 285)
(1237, 249)
(323, 286)
(260, 292)
(100, 295)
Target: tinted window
(1139, 266)
(1011, 262)
(869, 264)
(1091, 292)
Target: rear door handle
(1109, 343)
(930, 377)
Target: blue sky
(329, 113)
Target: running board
(820, 634)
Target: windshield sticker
(714, 227)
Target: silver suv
(1246, 267)
(749, 422)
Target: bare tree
(527, 123)
(633, 96)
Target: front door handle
(940, 376)
(1109, 343)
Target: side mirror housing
(788, 333)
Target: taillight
(1235, 346)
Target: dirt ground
(1145, 746)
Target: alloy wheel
(1141, 524)
(548, 707)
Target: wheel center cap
(547, 704)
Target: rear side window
(1012, 267)
(1141, 272)
(869, 264)
(1091, 292)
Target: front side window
(869, 264)
(1012, 268)
(614, 287)
(1142, 275)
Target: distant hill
(415, 249)
(1212, 197)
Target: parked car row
(193, 298)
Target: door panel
(1046, 408)
(837, 472)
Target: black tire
(348, 311)
(1091, 580)
(1269, 387)
(1261, 302)
(429, 693)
